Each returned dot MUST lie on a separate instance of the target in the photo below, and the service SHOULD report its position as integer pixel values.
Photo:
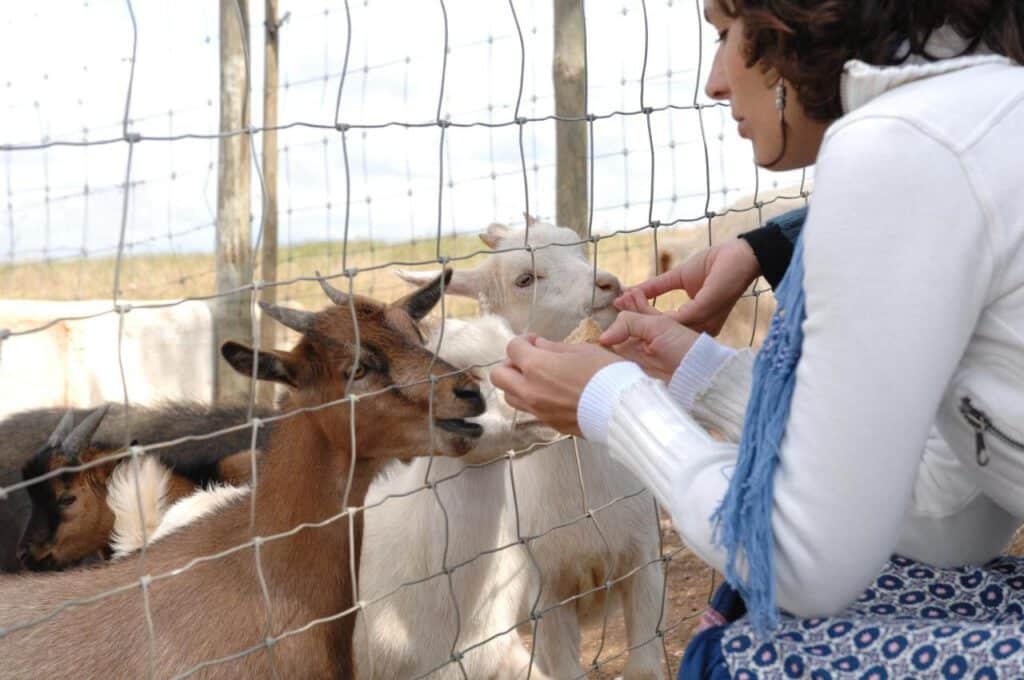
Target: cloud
(66, 201)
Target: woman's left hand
(547, 378)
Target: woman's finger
(508, 379)
(661, 284)
(629, 325)
(519, 349)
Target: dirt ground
(690, 583)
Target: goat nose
(472, 396)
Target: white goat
(411, 539)
(416, 629)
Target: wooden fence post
(569, 74)
(268, 265)
(232, 313)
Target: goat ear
(418, 303)
(495, 232)
(272, 366)
(463, 282)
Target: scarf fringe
(743, 520)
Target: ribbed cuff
(698, 367)
(723, 404)
(601, 396)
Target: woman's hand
(547, 378)
(642, 334)
(714, 279)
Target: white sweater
(914, 281)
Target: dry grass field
(174, 276)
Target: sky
(65, 70)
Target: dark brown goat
(70, 517)
(216, 608)
(196, 462)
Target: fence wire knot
(342, 127)
(133, 137)
(4, 334)
(122, 308)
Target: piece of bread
(587, 331)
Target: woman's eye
(722, 35)
(65, 501)
(524, 280)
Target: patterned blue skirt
(913, 622)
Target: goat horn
(295, 319)
(63, 429)
(337, 297)
(78, 440)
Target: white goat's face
(548, 292)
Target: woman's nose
(717, 86)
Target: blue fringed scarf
(745, 515)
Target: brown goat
(70, 518)
(213, 615)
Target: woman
(900, 336)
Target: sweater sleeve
(891, 303)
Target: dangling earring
(780, 98)
(780, 104)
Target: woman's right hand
(714, 278)
(642, 334)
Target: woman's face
(751, 93)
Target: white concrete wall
(167, 353)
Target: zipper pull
(976, 419)
(980, 452)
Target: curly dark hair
(808, 41)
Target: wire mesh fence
(406, 128)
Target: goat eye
(524, 280)
(65, 501)
(358, 373)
